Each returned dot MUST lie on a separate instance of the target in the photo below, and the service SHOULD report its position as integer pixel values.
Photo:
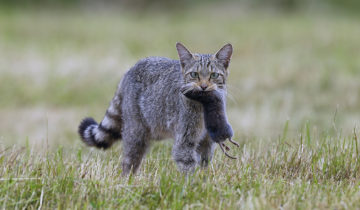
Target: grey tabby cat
(149, 105)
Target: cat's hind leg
(135, 144)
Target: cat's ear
(224, 55)
(184, 54)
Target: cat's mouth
(191, 88)
(187, 87)
(196, 88)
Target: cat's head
(205, 72)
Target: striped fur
(102, 135)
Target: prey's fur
(215, 119)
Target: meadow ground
(294, 105)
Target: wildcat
(149, 105)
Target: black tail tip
(85, 123)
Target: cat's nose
(203, 86)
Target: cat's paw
(186, 167)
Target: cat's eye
(214, 75)
(194, 74)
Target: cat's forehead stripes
(204, 63)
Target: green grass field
(294, 104)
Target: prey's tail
(103, 135)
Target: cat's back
(151, 88)
(151, 73)
(151, 69)
(151, 77)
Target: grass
(293, 103)
(310, 172)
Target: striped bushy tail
(103, 135)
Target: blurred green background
(162, 4)
(294, 61)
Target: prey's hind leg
(135, 144)
(205, 149)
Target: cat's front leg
(185, 155)
(205, 149)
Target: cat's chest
(194, 120)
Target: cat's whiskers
(230, 95)
(232, 98)
(187, 90)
